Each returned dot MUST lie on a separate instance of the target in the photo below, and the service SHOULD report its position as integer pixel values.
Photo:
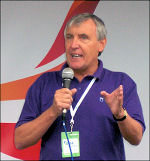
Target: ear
(102, 44)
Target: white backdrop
(29, 29)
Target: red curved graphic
(17, 90)
(57, 49)
(8, 147)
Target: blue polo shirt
(99, 134)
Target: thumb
(104, 94)
(74, 90)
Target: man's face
(82, 46)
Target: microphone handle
(66, 84)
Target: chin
(74, 65)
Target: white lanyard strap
(73, 112)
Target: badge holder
(73, 138)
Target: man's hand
(130, 129)
(63, 100)
(115, 101)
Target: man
(110, 110)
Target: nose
(74, 43)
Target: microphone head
(67, 73)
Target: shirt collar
(97, 74)
(99, 70)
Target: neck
(81, 74)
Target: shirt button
(79, 88)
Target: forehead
(85, 26)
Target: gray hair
(78, 19)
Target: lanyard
(73, 112)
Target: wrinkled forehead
(78, 22)
(85, 24)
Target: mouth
(76, 55)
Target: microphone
(67, 76)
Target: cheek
(95, 48)
(66, 44)
(67, 47)
(92, 50)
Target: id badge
(74, 143)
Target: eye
(83, 36)
(69, 36)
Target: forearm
(30, 133)
(131, 130)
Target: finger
(120, 97)
(116, 92)
(65, 91)
(65, 99)
(104, 94)
(61, 104)
(61, 96)
(121, 89)
(119, 93)
(62, 99)
(64, 106)
(74, 90)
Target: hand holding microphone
(63, 97)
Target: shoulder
(46, 78)
(48, 75)
(122, 76)
(117, 78)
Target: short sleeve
(32, 104)
(132, 101)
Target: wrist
(54, 111)
(121, 116)
(120, 113)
